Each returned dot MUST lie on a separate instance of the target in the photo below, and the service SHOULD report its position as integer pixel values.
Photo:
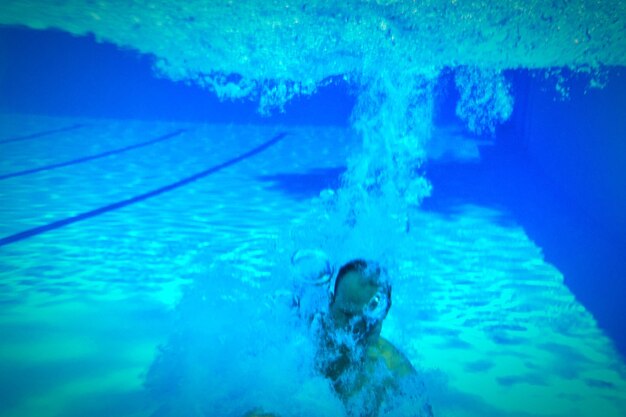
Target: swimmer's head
(361, 298)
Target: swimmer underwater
(366, 371)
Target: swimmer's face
(353, 293)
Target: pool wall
(580, 144)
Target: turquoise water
(162, 162)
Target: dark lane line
(40, 134)
(123, 203)
(91, 157)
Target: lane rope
(40, 134)
(91, 157)
(123, 203)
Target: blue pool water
(147, 230)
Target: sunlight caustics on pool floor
(75, 285)
(83, 307)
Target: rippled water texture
(106, 223)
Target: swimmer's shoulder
(394, 359)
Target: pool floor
(105, 221)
